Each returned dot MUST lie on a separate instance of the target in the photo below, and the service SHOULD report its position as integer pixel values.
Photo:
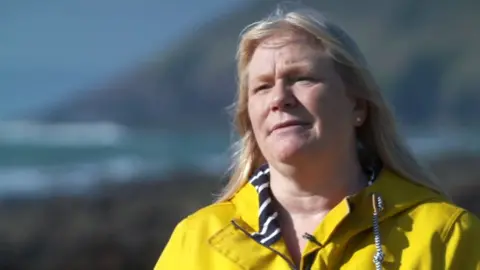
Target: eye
(302, 79)
(305, 79)
(260, 88)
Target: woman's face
(297, 103)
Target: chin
(290, 150)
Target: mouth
(288, 124)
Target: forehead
(283, 52)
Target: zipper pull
(312, 239)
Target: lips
(289, 123)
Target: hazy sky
(50, 49)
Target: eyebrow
(300, 68)
(290, 70)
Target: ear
(360, 112)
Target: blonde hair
(377, 137)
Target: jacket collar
(247, 205)
(398, 194)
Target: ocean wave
(83, 177)
(432, 145)
(77, 178)
(65, 134)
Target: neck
(313, 190)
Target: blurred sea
(43, 158)
(38, 159)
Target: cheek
(255, 115)
(337, 117)
(329, 107)
(317, 102)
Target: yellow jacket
(417, 229)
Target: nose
(282, 98)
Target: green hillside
(423, 53)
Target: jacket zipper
(308, 261)
(290, 263)
(310, 258)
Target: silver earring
(359, 120)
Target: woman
(321, 179)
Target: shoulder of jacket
(217, 213)
(440, 213)
(440, 206)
